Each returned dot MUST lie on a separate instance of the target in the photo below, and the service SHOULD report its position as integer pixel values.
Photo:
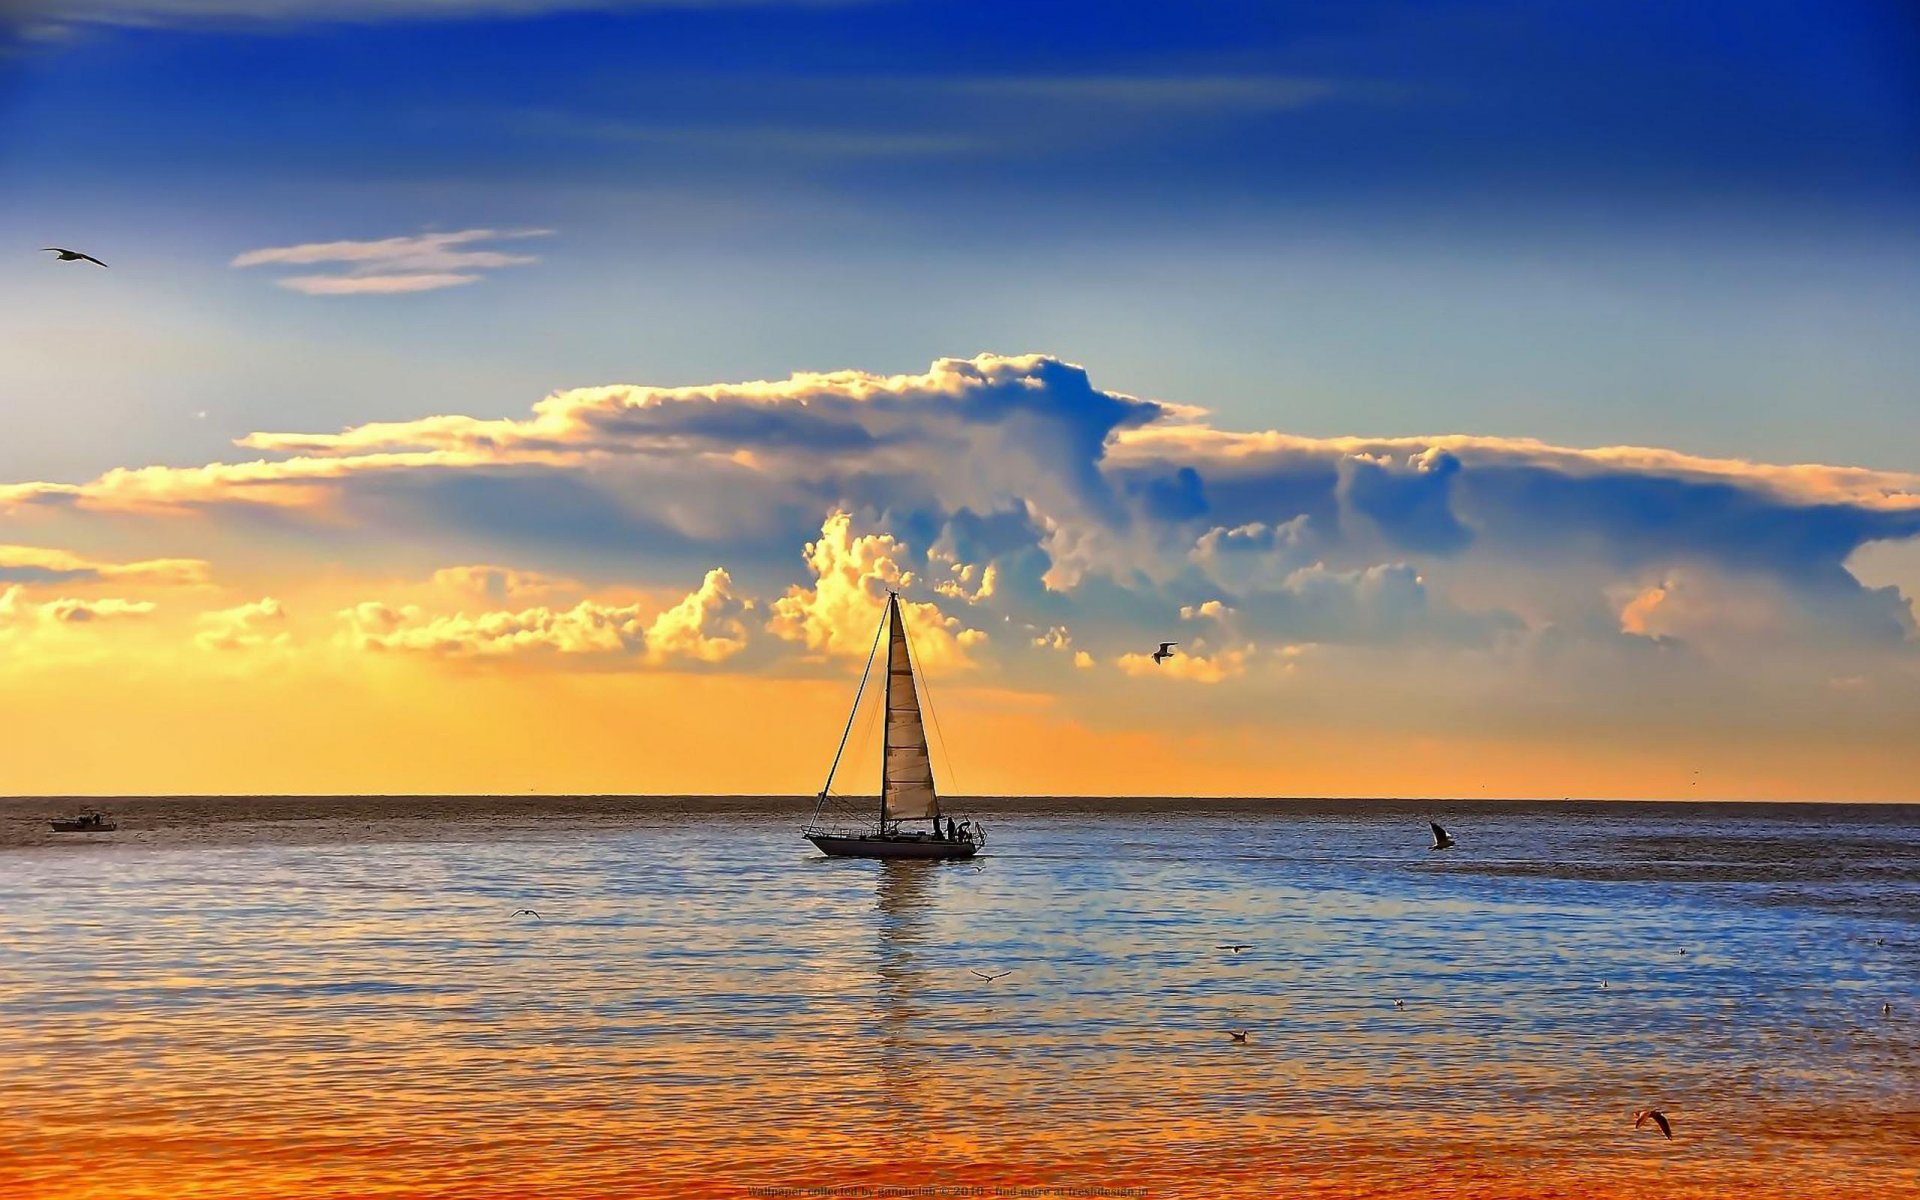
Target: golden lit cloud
(1217, 667)
(35, 564)
(840, 613)
(260, 625)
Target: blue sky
(1591, 222)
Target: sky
(1492, 399)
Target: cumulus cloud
(586, 628)
(840, 613)
(963, 578)
(707, 626)
(420, 263)
(1209, 610)
(1057, 637)
(260, 625)
(17, 612)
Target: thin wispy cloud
(421, 263)
(1188, 92)
(189, 12)
(760, 139)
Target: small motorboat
(88, 821)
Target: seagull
(72, 255)
(1165, 651)
(1657, 1117)
(1236, 947)
(1442, 840)
(1399, 1003)
(527, 912)
(1238, 1035)
(990, 978)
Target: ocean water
(258, 998)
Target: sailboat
(907, 793)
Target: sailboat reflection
(904, 901)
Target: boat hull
(883, 847)
(83, 827)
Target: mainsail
(906, 772)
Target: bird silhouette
(1442, 840)
(1238, 1035)
(72, 255)
(527, 912)
(1165, 651)
(990, 978)
(1659, 1118)
(1236, 947)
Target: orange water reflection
(382, 1034)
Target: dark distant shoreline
(189, 809)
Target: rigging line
(860, 691)
(927, 689)
(866, 727)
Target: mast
(906, 770)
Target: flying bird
(1236, 947)
(1442, 840)
(1657, 1117)
(990, 978)
(72, 255)
(1238, 1035)
(527, 912)
(1165, 651)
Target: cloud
(708, 626)
(1246, 93)
(586, 628)
(704, 627)
(499, 585)
(421, 263)
(1211, 610)
(57, 13)
(372, 285)
(17, 613)
(840, 613)
(1218, 667)
(963, 576)
(256, 626)
(35, 564)
(1010, 487)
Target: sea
(264, 997)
